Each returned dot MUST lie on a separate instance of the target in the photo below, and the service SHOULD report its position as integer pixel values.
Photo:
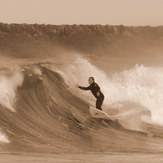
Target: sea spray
(8, 86)
(3, 138)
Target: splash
(3, 138)
(9, 81)
(142, 85)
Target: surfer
(95, 89)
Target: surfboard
(96, 113)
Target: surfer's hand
(98, 94)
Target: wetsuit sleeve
(84, 88)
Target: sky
(112, 12)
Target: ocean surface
(44, 115)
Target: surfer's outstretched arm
(84, 88)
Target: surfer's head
(91, 80)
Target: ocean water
(43, 111)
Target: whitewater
(43, 111)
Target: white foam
(8, 87)
(3, 138)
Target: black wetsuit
(94, 88)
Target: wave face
(41, 110)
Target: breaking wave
(42, 109)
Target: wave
(52, 115)
(141, 85)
